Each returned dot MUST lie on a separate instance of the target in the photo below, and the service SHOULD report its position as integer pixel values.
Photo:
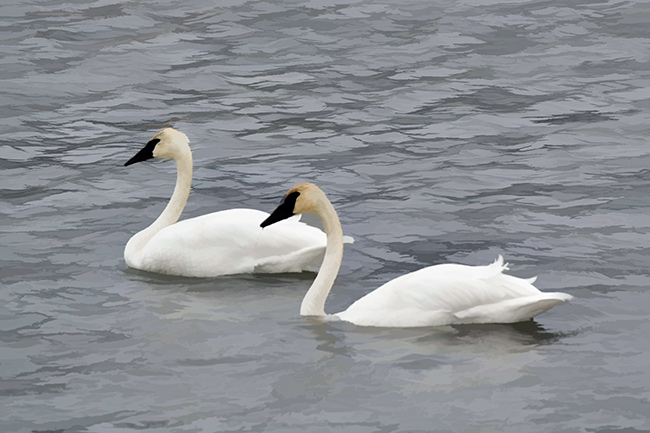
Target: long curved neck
(313, 304)
(177, 202)
(173, 209)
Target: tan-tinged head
(309, 198)
(301, 198)
(168, 143)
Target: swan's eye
(290, 200)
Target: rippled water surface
(447, 131)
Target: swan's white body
(434, 296)
(452, 294)
(228, 242)
(220, 243)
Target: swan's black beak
(282, 212)
(145, 153)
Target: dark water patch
(490, 99)
(414, 362)
(217, 361)
(11, 326)
(582, 117)
(78, 424)
(15, 388)
(26, 195)
(528, 332)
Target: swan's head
(168, 143)
(301, 198)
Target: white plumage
(220, 243)
(452, 294)
(230, 242)
(434, 296)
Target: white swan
(220, 243)
(434, 296)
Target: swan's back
(230, 242)
(452, 294)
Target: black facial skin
(145, 153)
(282, 212)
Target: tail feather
(512, 310)
(498, 263)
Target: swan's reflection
(393, 344)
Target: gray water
(447, 131)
